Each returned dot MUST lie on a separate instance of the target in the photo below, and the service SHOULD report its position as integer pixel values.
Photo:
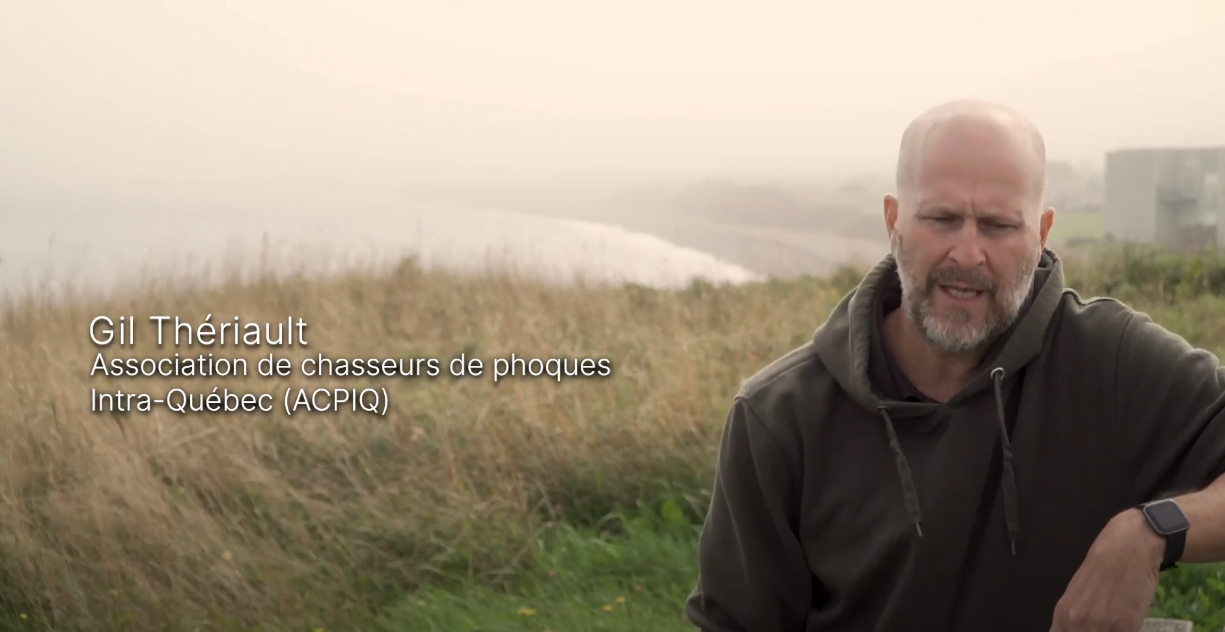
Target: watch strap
(1175, 543)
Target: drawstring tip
(918, 529)
(1014, 548)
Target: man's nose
(967, 246)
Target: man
(965, 443)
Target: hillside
(525, 504)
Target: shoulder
(779, 395)
(796, 386)
(1114, 330)
(785, 374)
(1096, 323)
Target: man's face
(967, 236)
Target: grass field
(521, 505)
(1076, 226)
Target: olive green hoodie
(839, 505)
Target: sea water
(98, 244)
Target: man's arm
(753, 573)
(1171, 410)
(1206, 539)
(1172, 406)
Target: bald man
(965, 444)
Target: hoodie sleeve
(1171, 400)
(753, 574)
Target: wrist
(1168, 522)
(1140, 533)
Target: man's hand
(1114, 587)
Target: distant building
(1170, 197)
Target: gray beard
(952, 331)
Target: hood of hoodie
(844, 346)
(844, 341)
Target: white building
(1170, 197)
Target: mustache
(969, 277)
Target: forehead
(976, 164)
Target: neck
(938, 375)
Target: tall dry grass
(233, 521)
(161, 520)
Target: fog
(540, 105)
(406, 91)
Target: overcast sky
(131, 92)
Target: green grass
(591, 581)
(1076, 226)
(1194, 593)
(584, 579)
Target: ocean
(100, 244)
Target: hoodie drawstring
(909, 491)
(1008, 482)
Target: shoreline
(102, 250)
(78, 245)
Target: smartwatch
(1168, 521)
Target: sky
(123, 93)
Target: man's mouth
(961, 292)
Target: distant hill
(770, 204)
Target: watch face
(1166, 517)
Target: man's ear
(891, 206)
(1044, 225)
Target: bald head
(969, 125)
(967, 227)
